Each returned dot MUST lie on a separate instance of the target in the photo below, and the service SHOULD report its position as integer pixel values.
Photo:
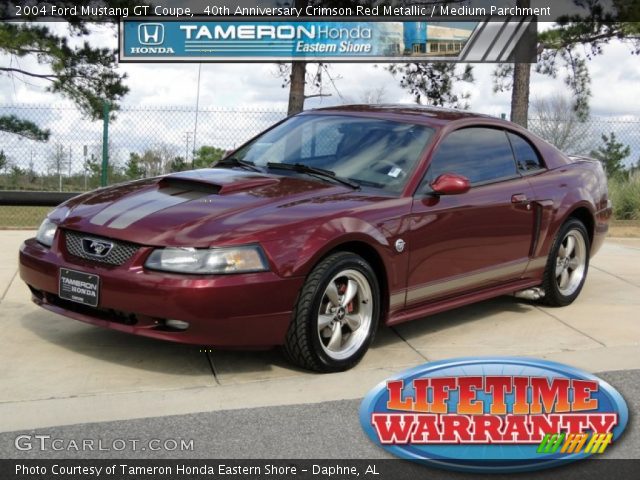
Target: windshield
(371, 152)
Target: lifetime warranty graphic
(494, 414)
(262, 41)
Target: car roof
(428, 114)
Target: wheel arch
(587, 218)
(373, 258)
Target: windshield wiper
(236, 162)
(318, 172)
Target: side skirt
(424, 310)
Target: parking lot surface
(57, 371)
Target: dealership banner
(258, 40)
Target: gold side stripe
(537, 263)
(462, 281)
(467, 280)
(397, 299)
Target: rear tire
(567, 264)
(336, 315)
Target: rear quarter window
(527, 157)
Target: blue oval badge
(497, 414)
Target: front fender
(300, 252)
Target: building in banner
(415, 38)
(440, 40)
(391, 39)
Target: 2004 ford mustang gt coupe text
(321, 228)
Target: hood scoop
(188, 185)
(215, 181)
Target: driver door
(464, 243)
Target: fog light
(177, 324)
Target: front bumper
(240, 310)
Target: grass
(625, 196)
(22, 217)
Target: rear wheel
(567, 265)
(336, 315)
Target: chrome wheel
(571, 262)
(344, 317)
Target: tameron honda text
(494, 414)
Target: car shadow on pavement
(467, 315)
(111, 346)
(239, 366)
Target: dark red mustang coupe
(321, 228)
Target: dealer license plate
(79, 287)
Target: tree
(296, 75)
(206, 156)
(132, 169)
(82, 73)
(305, 84)
(560, 52)
(297, 78)
(178, 164)
(3, 160)
(153, 162)
(521, 88)
(93, 165)
(612, 154)
(23, 128)
(374, 95)
(58, 163)
(554, 120)
(432, 83)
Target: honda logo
(96, 248)
(151, 33)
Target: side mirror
(228, 152)
(450, 184)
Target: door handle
(518, 198)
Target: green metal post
(105, 144)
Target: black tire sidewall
(340, 263)
(553, 296)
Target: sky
(615, 79)
(615, 86)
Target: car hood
(202, 207)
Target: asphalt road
(328, 430)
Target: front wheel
(336, 315)
(567, 265)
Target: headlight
(243, 259)
(46, 232)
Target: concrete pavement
(319, 430)
(56, 371)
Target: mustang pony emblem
(96, 248)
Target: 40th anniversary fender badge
(499, 414)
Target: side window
(480, 154)
(527, 158)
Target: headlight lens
(46, 232)
(243, 259)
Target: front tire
(567, 265)
(336, 315)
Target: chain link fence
(583, 138)
(147, 141)
(142, 141)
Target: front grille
(118, 255)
